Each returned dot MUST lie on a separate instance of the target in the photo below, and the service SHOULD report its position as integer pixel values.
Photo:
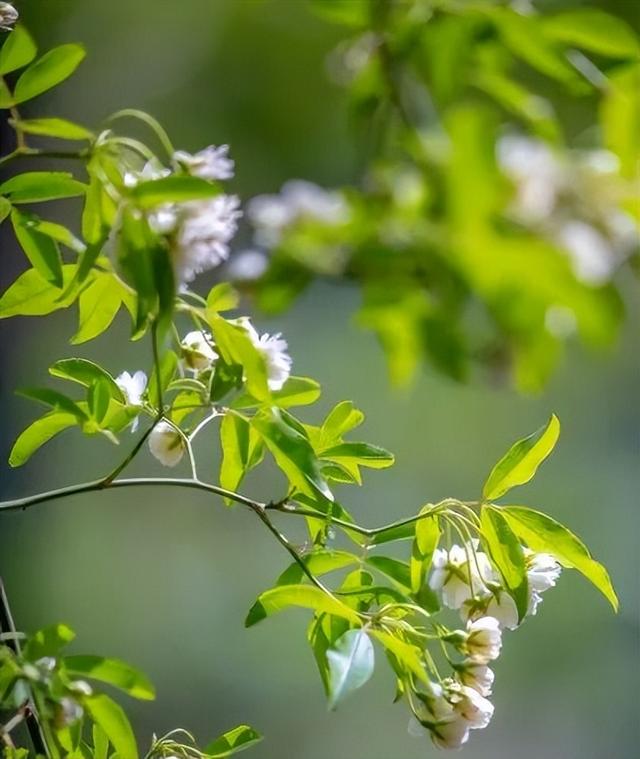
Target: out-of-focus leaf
(55, 127)
(174, 189)
(38, 186)
(522, 460)
(48, 71)
(296, 391)
(48, 642)
(223, 297)
(594, 30)
(620, 116)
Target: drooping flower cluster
(198, 357)
(8, 16)
(572, 201)
(198, 232)
(467, 581)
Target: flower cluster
(467, 581)
(199, 358)
(198, 232)
(572, 201)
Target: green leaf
(54, 67)
(18, 50)
(48, 642)
(41, 250)
(110, 716)
(38, 186)
(407, 654)
(522, 460)
(396, 570)
(428, 534)
(236, 347)
(5, 209)
(98, 305)
(292, 451)
(240, 444)
(173, 189)
(391, 534)
(507, 555)
(319, 562)
(351, 664)
(37, 434)
(233, 741)
(223, 297)
(296, 391)
(543, 534)
(114, 672)
(32, 295)
(362, 454)
(620, 115)
(54, 127)
(59, 233)
(85, 373)
(100, 743)
(594, 30)
(53, 398)
(168, 370)
(276, 599)
(98, 400)
(343, 418)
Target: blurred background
(164, 578)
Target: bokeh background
(164, 579)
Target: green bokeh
(164, 580)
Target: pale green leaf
(112, 671)
(55, 127)
(38, 186)
(522, 460)
(46, 72)
(232, 742)
(18, 50)
(32, 295)
(85, 373)
(407, 654)
(41, 250)
(37, 434)
(309, 597)
(593, 30)
(98, 305)
(111, 718)
(351, 664)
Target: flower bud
(166, 444)
(8, 16)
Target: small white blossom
(470, 705)
(205, 229)
(503, 608)
(166, 444)
(484, 639)
(476, 676)
(453, 570)
(81, 687)
(451, 735)
(211, 163)
(197, 351)
(274, 351)
(70, 711)
(8, 16)
(591, 254)
(151, 170)
(543, 571)
(132, 386)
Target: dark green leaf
(41, 250)
(53, 398)
(54, 127)
(396, 570)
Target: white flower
(151, 170)
(247, 265)
(197, 351)
(454, 569)
(274, 351)
(450, 735)
(166, 444)
(470, 705)
(503, 608)
(592, 256)
(476, 676)
(164, 219)
(8, 16)
(484, 639)
(204, 232)
(543, 571)
(211, 163)
(70, 711)
(132, 386)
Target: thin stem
(131, 455)
(156, 363)
(201, 425)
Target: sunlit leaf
(58, 401)
(309, 597)
(37, 434)
(41, 250)
(98, 305)
(406, 653)
(55, 127)
(48, 642)
(85, 373)
(174, 189)
(112, 671)
(111, 718)
(522, 460)
(18, 50)
(594, 30)
(233, 741)
(46, 72)
(37, 186)
(543, 534)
